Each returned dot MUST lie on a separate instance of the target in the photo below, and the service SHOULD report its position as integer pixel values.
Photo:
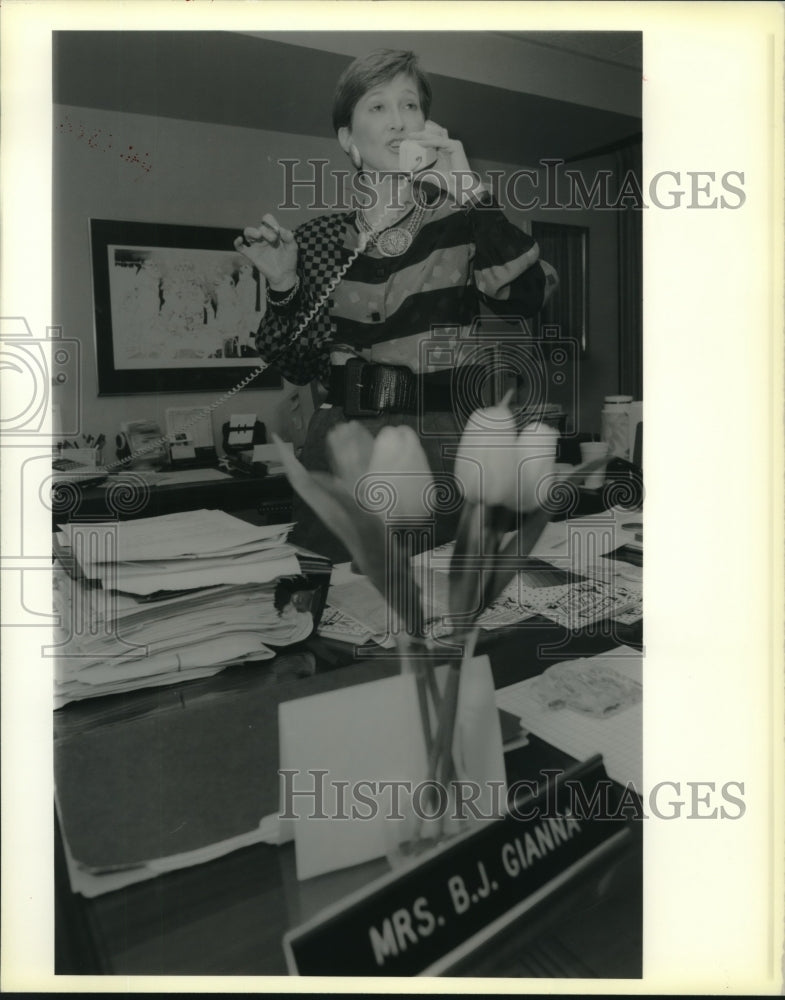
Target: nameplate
(425, 919)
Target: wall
(598, 374)
(192, 173)
(187, 173)
(531, 65)
(506, 100)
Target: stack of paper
(164, 599)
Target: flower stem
(415, 666)
(433, 687)
(422, 697)
(451, 707)
(440, 757)
(448, 768)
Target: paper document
(362, 602)
(172, 536)
(337, 624)
(618, 737)
(191, 423)
(249, 570)
(577, 542)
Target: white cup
(590, 452)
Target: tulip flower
(387, 475)
(536, 455)
(349, 449)
(399, 463)
(392, 468)
(497, 468)
(486, 461)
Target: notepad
(187, 777)
(618, 738)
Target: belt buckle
(353, 388)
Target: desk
(227, 917)
(266, 500)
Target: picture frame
(176, 309)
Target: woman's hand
(459, 179)
(273, 252)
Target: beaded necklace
(393, 241)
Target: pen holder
(86, 456)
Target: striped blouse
(387, 309)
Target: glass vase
(459, 779)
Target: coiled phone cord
(156, 444)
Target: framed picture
(176, 309)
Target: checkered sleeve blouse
(460, 260)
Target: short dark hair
(370, 71)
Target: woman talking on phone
(427, 253)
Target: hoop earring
(354, 156)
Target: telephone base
(204, 458)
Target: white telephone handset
(414, 158)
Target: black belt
(366, 390)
